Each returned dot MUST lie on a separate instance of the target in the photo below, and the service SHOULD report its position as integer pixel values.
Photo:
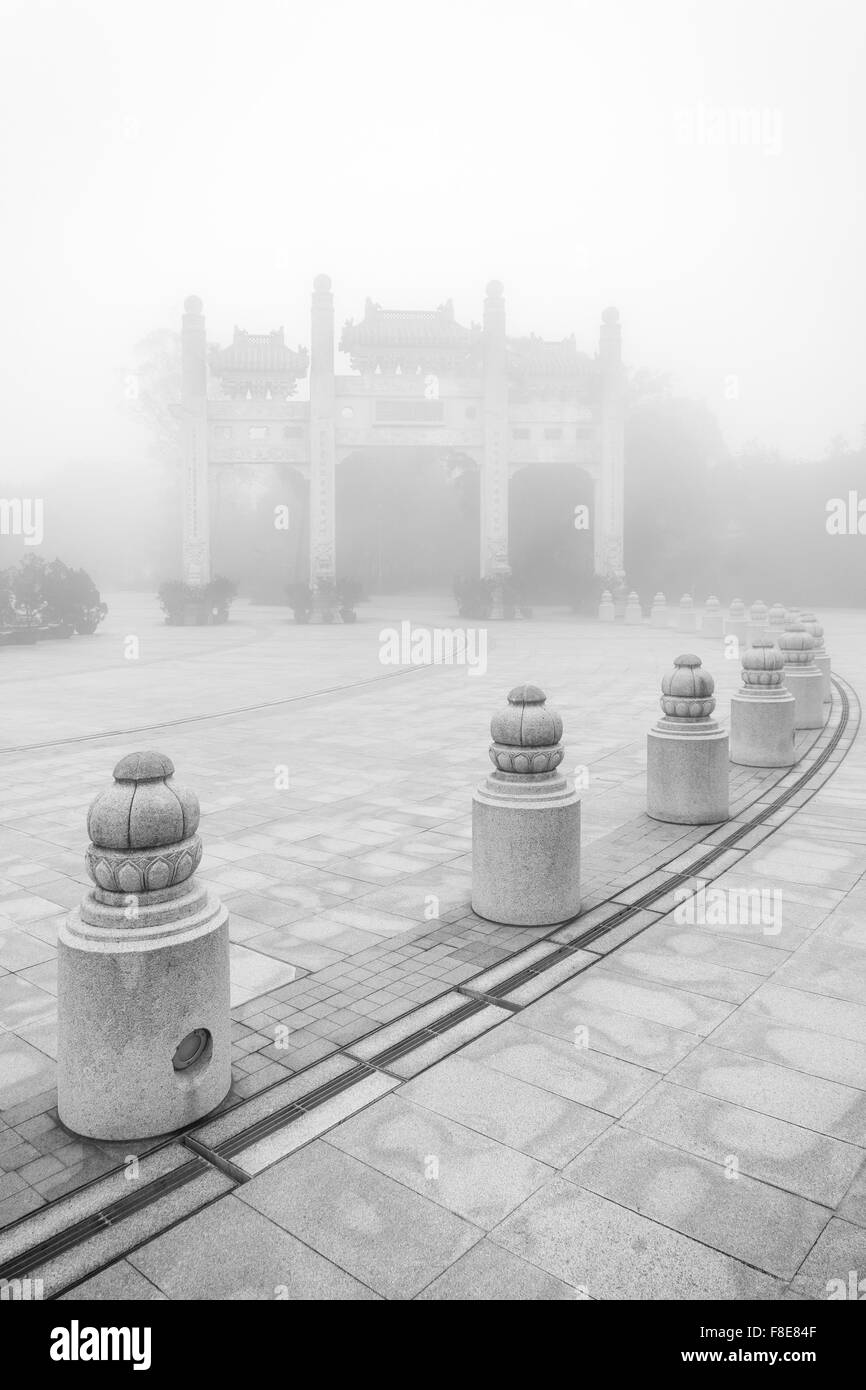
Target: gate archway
(551, 557)
(407, 519)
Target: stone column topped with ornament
(143, 967)
(820, 655)
(659, 615)
(776, 620)
(736, 623)
(687, 750)
(633, 610)
(712, 620)
(759, 622)
(802, 676)
(526, 820)
(606, 608)
(763, 711)
(687, 618)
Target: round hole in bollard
(192, 1049)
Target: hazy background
(414, 152)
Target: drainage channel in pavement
(77, 1235)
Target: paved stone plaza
(675, 1110)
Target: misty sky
(583, 153)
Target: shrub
(474, 597)
(194, 605)
(301, 601)
(50, 597)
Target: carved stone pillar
(195, 565)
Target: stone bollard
(758, 623)
(633, 610)
(526, 821)
(802, 677)
(659, 616)
(606, 611)
(736, 624)
(820, 655)
(144, 1031)
(687, 751)
(711, 621)
(776, 621)
(763, 712)
(687, 618)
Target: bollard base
(762, 729)
(144, 1028)
(823, 663)
(687, 773)
(806, 684)
(526, 849)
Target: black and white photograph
(432, 647)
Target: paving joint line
(219, 1157)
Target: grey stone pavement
(685, 1118)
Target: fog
(697, 165)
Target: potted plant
(196, 605)
(300, 601)
(58, 615)
(220, 593)
(349, 593)
(85, 607)
(328, 596)
(7, 611)
(474, 597)
(28, 598)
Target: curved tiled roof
(260, 353)
(404, 328)
(534, 356)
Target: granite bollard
(633, 610)
(144, 1030)
(759, 621)
(687, 618)
(736, 623)
(606, 609)
(687, 751)
(820, 655)
(526, 820)
(802, 676)
(776, 620)
(711, 619)
(659, 616)
(763, 712)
